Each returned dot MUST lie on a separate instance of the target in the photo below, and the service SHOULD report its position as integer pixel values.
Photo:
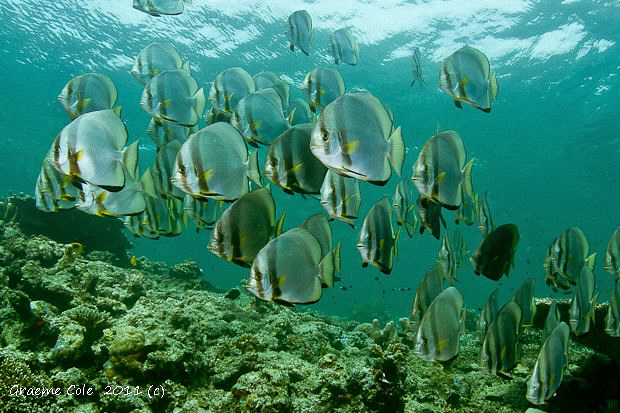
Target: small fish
(260, 118)
(233, 294)
(160, 7)
(229, 87)
(500, 348)
(582, 306)
(466, 77)
(495, 254)
(204, 214)
(430, 216)
(163, 171)
(174, 95)
(612, 254)
(549, 369)
(376, 241)
(155, 58)
(319, 227)
(343, 47)
(290, 270)
(300, 32)
(133, 261)
(245, 227)
(354, 136)
(524, 296)
(416, 68)
(438, 337)
(54, 190)
(341, 197)
(489, 312)
(566, 257)
(163, 132)
(429, 288)
(452, 253)
(486, 223)
(299, 112)
(440, 172)
(321, 87)
(612, 321)
(291, 166)
(90, 149)
(89, 92)
(214, 163)
(552, 320)
(404, 207)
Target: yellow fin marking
(349, 148)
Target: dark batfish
(430, 216)
(496, 253)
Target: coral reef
(155, 339)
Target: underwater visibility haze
(493, 123)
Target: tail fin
(185, 66)
(130, 159)
(468, 188)
(147, 184)
(327, 270)
(336, 253)
(591, 261)
(291, 116)
(280, 224)
(200, 102)
(494, 87)
(396, 242)
(397, 150)
(253, 172)
(593, 306)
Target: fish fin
(253, 171)
(412, 83)
(185, 66)
(396, 241)
(593, 306)
(281, 280)
(468, 187)
(350, 147)
(440, 178)
(165, 103)
(256, 124)
(208, 174)
(336, 253)
(130, 158)
(280, 224)
(291, 116)
(292, 47)
(591, 261)
(326, 270)
(397, 150)
(147, 184)
(493, 86)
(200, 102)
(458, 104)
(153, 71)
(485, 110)
(296, 168)
(117, 110)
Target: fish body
(290, 165)
(259, 117)
(214, 163)
(229, 87)
(430, 216)
(321, 87)
(299, 31)
(404, 206)
(204, 214)
(486, 223)
(90, 149)
(524, 296)
(267, 79)
(495, 254)
(376, 241)
(552, 320)
(319, 227)
(416, 68)
(343, 47)
(466, 77)
(163, 170)
(160, 7)
(245, 227)
(489, 312)
(500, 348)
(164, 132)
(431, 285)
(582, 306)
(467, 212)
(155, 58)
(612, 254)
(565, 258)
(440, 171)
(174, 95)
(341, 197)
(438, 337)
(612, 320)
(89, 92)
(299, 112)
(354, 136)
(290, 269)
(549, 369)
(54, 190)
(452, 253)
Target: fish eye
(237, 117)
(257, 275)
(273, 162)
(182, 170)
(324, 135)
(70, 89)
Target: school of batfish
(320, 147)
